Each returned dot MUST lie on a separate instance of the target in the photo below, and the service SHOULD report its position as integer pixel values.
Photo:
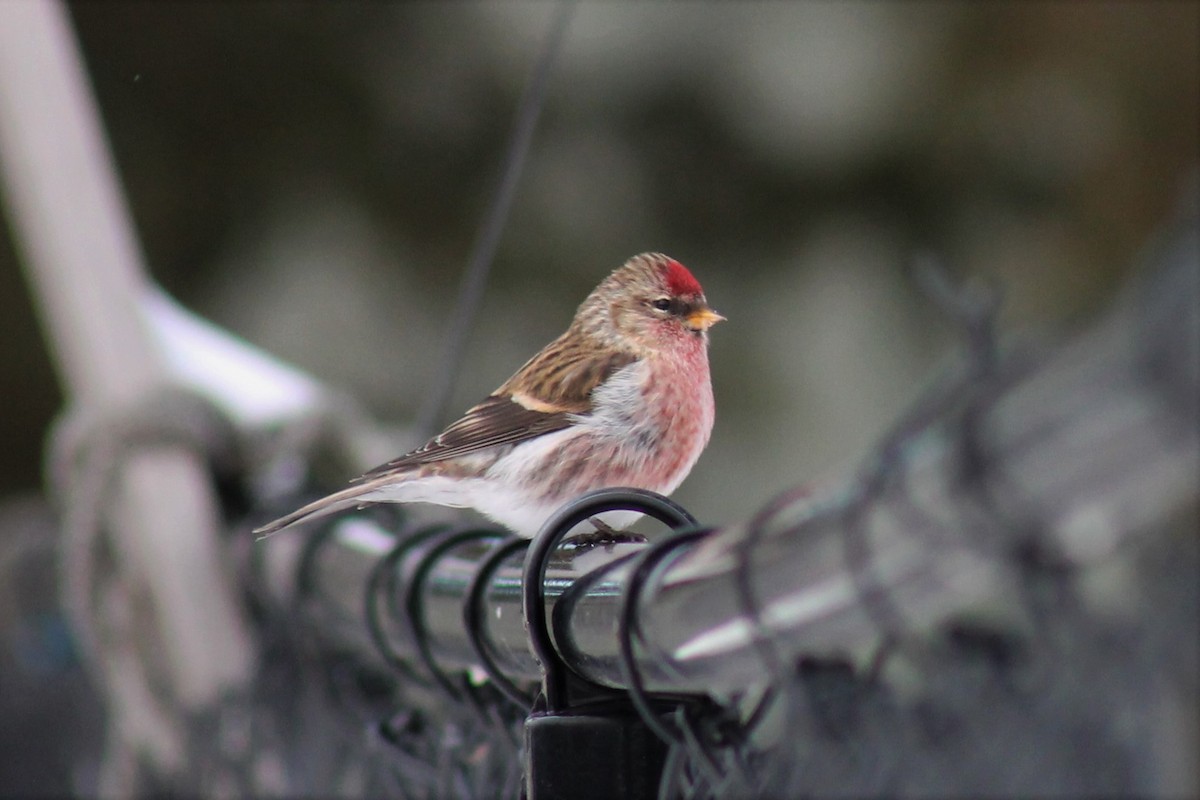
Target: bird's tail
(351, 497)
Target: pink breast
(684, 412)
(677, 400)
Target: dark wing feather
(565, 373)
(543, 396)
(497, 420)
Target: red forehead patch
(680, 281)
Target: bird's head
(652, 301)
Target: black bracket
(582, 740)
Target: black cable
(474, 621)
(626, 627)
(380, 585)
(690, 712)
(414, 601)
(764, 642)
(470, 293)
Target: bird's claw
(603, 534)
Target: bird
(623, 398)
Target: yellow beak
(702, 319)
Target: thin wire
(627, 629)
(473, 621)
(413, 603)
(470, 292)
(381, 584)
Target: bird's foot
(603, 534)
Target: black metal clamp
(583, 740)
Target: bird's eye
(662, 304)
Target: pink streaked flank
(680, 280)
(674, 418)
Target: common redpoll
(622, 398)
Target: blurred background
(312, 177)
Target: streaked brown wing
(497, 420)
(564, 374)
(540, 398)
